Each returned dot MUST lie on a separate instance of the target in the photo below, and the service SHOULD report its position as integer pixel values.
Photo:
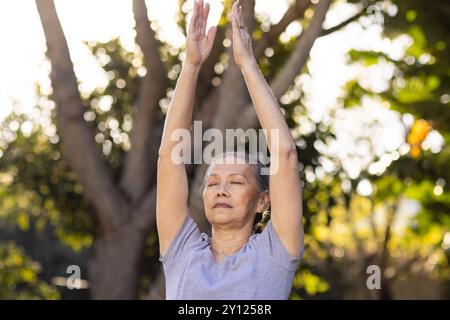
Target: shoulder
(187, 238)
(268, 243)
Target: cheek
(243, 197)
(207, 196)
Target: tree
(418, 89)
(93, 178)
(123, 206)
(19, 276)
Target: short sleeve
(187, 237)
(270, 243)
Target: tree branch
(144, 216)
(295, 12)
(232, 80)
(294, 64)
(298, 57)
(385, 292)
(77, 136)
(248, 11)
(137, 176)
(207, 71)
(343, 23)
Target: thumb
(234, 27)
(211, 35)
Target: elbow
(288, 157)
(165, 157)
(289, 152)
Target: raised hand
(199, 45)
(242, 41)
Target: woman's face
(233, 185)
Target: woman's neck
(228, 242)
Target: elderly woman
(235, 263)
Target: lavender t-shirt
(261, 270)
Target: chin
(220, 216)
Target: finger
(206, 13)
(193, 17)
(238, 13)
(200, 16)
(205, 18)
(241, 17)
(235, 4)
(236, 33)
(196, 15)
(234, 11)
(237, 23)
(233, 22)
(200, 9)
(211, 35)
(234, 26)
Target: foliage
(345, 230)
(19, 276)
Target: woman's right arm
(172, 183)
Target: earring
(266, 213)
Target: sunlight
(24, 64)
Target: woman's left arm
(285, 187)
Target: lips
(221, 205)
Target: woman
(234, 263)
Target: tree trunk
(112, 267)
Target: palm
(199, 44)
(242, 41)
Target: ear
(264, 201)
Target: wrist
(191, 68)
(249, 66)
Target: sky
(22, 64)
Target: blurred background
(84, 89)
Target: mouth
(221, 205)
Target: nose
(221, 191)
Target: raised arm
(172, 183)
(285, 187)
